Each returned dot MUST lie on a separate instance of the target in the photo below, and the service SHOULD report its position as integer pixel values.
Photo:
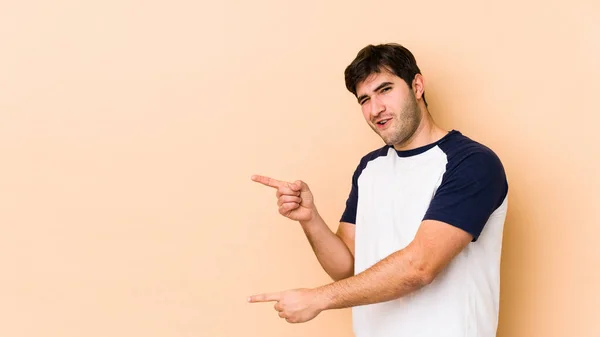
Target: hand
(295, 306)
(295, 200)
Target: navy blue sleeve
(349, 214)
(473, 186)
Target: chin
(393, 141)
(387, 140)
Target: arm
(335, 252)
(472, 188)
(402, 272)
(405, 271)
(470, 192)
(296, 202)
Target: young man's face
(389, 107)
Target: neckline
(424, 148)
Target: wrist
(322, 298)
(314, 219)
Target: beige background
(129, 131)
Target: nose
(377, 107)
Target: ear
(418, 86)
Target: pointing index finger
(268, 181)
(269, 297)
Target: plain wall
(129, 131)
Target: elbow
(336, 278)
(419, 278)
(422, 275)
(342, 275)
(420, 268)
(425, 277)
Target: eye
(386, 89)
(364, 101)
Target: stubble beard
(404, 125)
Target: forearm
(391, 278)
(331, 252)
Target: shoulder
(466, 154)
(369, 157)
(473, 186)
(380, 152)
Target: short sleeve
(472, 188)
(349, 214)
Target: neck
(426, 133)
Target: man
(417, 250)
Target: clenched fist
(295, 200)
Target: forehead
(374, 80)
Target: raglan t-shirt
(457, 181)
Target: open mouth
(382, 123)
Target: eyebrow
(384, 84)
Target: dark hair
(374, 58)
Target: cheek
(397, 97)
(392, 102)
(365, 112)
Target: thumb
(299, 185)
